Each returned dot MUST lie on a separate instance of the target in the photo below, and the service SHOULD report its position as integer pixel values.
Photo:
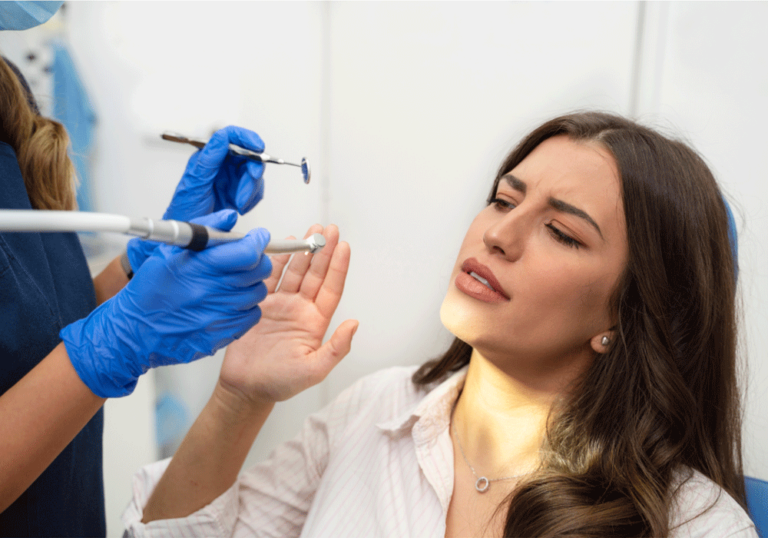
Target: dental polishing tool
(172, 232)
(234, 149)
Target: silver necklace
(482, 484)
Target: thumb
(337, 347)
(224, 219)
(250, 189)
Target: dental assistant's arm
(39, 417)
(281, 356)
(110, 281)
(45, 410)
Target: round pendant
(482, 484)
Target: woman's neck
(501, 419)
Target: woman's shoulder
(379, 396)
(702, 508)
(390, 385)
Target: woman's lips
(477, 289)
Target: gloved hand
(181, 305)
(213, 180)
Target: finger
(250, 189)
(231, 297)
(335, 349)
(217, 148)
(244, 138)
(298, 266)
(329, 295)
(251, 297)
(243, 255)
(251, 276)
(224, 219)
(319, 266)
(240, 322)
(278, 264)
(138, 250)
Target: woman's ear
(601, 343)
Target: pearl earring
(605, 341)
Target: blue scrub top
(45, 285)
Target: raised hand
(284, 353)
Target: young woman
(590, 391)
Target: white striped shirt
(376, 462)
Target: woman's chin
(477, 328)
(459, 319)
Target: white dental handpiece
(172, 232)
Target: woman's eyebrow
(520, 185)
(568, 208)
(515, 183)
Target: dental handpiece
(172, 232)
(306, 171)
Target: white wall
(426, 100)
(405, 110)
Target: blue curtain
(72, 107)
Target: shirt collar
(433, 412)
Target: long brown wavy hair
(664, 398)
(40, 145)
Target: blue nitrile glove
(181, 305)
(216, 180)
(213, 180)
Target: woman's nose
(507, 236)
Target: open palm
(284, 353)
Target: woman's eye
(563, 238)
(502, 204)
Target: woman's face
(552, 246)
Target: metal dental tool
(172, 232)
(237, 150)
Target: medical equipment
(306, 171)
(24, 15)
(172, 232)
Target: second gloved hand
(180, 306)
(213, 180)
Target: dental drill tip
(316, 242)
